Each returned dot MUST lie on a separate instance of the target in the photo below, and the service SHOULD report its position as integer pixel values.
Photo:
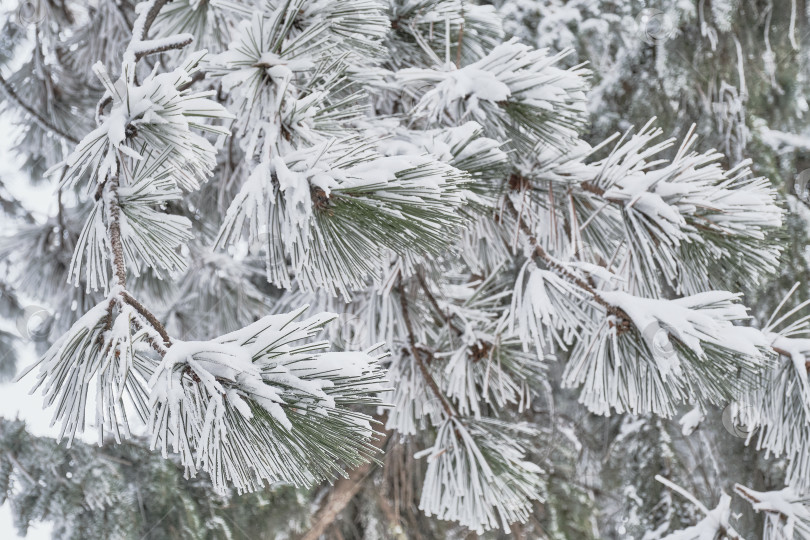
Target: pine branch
(432, 299)
(788, 354)
(119, 265)
(158, 46)
(341, 495)
(148, 316)
(144, 22)
(415, 352)
(343, 491)
(38, 118)
(114, 231)
(567, 274)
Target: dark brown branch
(195, 77)
(60, 212)
(40, 120)
(156, 324)
(342, 494)
(119, 265)
(416, 353)
(151, 16)
(103, 102)
(100, 190)
(163, 48)
(745, 493)
(114, 230)
(560, 269)
(155, 344)
(592, 188)
(432, 299)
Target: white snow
(691, 420)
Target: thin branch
(748, 495)
(415, 352)
(342, 494)
(432, 299)
(38, 118)
(119, 265)
(151, 16)
(60, 211)
(103, 102)
(592, 188)
(787, 354)
(114, 231)
(16, 463)
(552, 263)
(158, 347)
(195, 77)
(181, 41)
(109, 188)
(683, 493)
(460, 41)
(156, 324)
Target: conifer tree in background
(515, 293)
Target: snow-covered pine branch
(156, 114)
(518, 93)
(401, 162)
(778, 408)
(148, 235)
(715, 524)
(477, 474)
(787, 515)
(681, 216)
(251, 406)
(667, 352)
(262, 405)
(335, 209)
(103, 351)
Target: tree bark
(342, 493)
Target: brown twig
(592, 188)
(787, 354)
(416, 353)
(342, 493)
(560, 269)
(38, 118)
(151, 16)
(163, 48)
(156, 324)
(432, 299)
(119, 265)
(114, 230)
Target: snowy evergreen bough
(479, 269)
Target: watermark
(584, 252)
(31, 12)
(656, 335)
(350, 333)
(653, 26)
(738, 420)
(34, 323)
(800, 184)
